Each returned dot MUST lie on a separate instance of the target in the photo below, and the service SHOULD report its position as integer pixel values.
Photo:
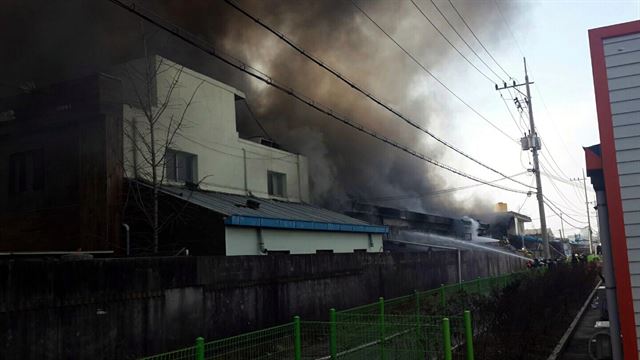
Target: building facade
(196, 126)
(60, 167)
(614, 168)
(253, 197)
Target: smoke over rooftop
(51, 41)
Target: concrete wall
(208, 130)
(125, 308)
(622, 58)
(246, 241)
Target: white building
(259, 192)
(206, 148)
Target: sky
(553, 35)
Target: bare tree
(155, 118)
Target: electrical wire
(436, 192)
(551, 203)
(478, 40)
(427, 71)
(453, 46)
(510, 114)
(361, 90)
(463, 40)
(504, 20)
(506, 23)
(246, 103)
(258, 75)
(568, 222)
(569, 205)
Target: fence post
(199, 348)
(443, 299)
(297, 342)
(446, 339)
(468, 334)
(381, 327)
(418, 323)
(333, 336)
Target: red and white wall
(615, 57)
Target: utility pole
(531, 142)
(586, 202)
(562, 224)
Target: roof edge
(262, 222)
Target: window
(181, 166)
(26, 172)
(277, 183)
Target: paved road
(577, 349)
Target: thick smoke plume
(48, 41)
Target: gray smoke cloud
(52, 41)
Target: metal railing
(432, 324)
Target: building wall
(77, 129)
(246, 241)
(225, 161)
(622, 59)
(128, 308)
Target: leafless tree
(156, 118)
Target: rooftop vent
(252, 204)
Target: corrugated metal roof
(236, 205)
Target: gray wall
(123, 308)
(622, 58)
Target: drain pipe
(263, 249)
(126, 232)
(609, 275)
(244, 161)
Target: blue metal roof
(272, 213)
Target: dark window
(181, 166)
(26, 172)
(277, 183)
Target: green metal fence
(432, 324)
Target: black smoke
(48, 41)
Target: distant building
(411, 226)
(538, 232)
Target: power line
(566, 201)
(568, 222)
(454, 47)
(510, 114)
(438, 192)
(477, 39)
(525, 199)
(463, 40)
(504, 20)
(424, 68)
(239, 65)
(246, 103)
(549, 203)
(361, 90)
